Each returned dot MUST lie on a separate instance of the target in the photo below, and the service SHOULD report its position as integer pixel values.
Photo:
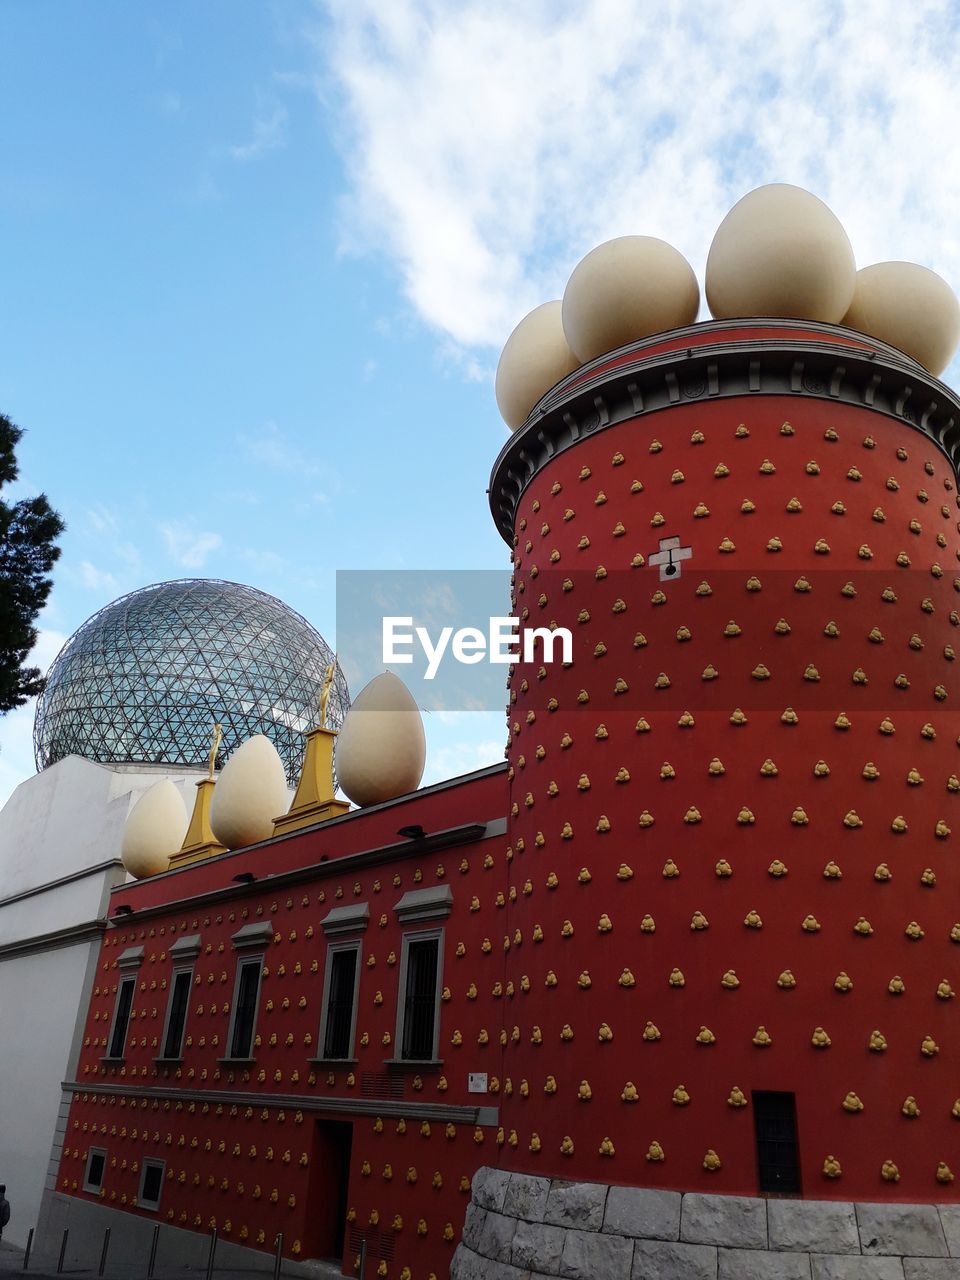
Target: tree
(28, 533)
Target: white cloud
(269, 447)
(189, 547)
(96, 579)
(48, 644)
(490, 145)
(269, 134)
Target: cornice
(822, 362)
(412, 1109)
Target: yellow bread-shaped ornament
(780, 252)
(154, 830)
(250, 792)
(624, 290)
(381, 749)
(534, 358)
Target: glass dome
(145, 679)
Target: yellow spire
(314, 801)
(200, 842)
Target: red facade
(323, 1152)
(734, 815)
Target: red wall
(564, 504)
(237, 1166)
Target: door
(328, 1187)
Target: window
(340, 1001)
(245, 1007)
(151, 1184)
(775, 1125)
(419, 987)
(177, 1013)
(96, 1167)
(121, 1018)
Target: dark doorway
(778, 1160)
(327, 1195)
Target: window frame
(94, 1188)
(334, 949)
(245, 962)
(127, 980)
(420, 935)
(151, 1162)
(179, 971)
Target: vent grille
(381, 1084)
(380, 1244)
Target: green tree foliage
(28, 533)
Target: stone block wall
(520, 1227)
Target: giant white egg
(250, 792)
(154, 830)
(909, 306)
(627, 289)
(780, 252)
(534, 358)
(381, 748)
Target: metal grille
(380, 1084)
(343, 974)
(775, 1124)
(247, 990)
(420, 1003)
(144, 679)
(380, 1244)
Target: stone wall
(520, 1227)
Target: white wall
(39, 998)
(66, 820)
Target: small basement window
(151, 1184)
(778, 1158)
(96, 1168)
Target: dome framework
(146, 677)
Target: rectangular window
(778, 1161)
(121, 1018)
(96, 1167)
(151, 1184)
(420, 989)
(177, 1013)
(245, 1008)
(340, 1001)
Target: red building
(700, 934)
(270, 1046)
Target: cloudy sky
(258, 259)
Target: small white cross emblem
(669, 557)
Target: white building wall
(60, 835)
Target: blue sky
(258, 259)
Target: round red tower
(734, 907)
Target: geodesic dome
(144, 680)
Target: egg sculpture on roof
(780, 252)
(250, 792)
(910, 307)
(381, 749)
(624, 290)
(154, 830)
(534, 358)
